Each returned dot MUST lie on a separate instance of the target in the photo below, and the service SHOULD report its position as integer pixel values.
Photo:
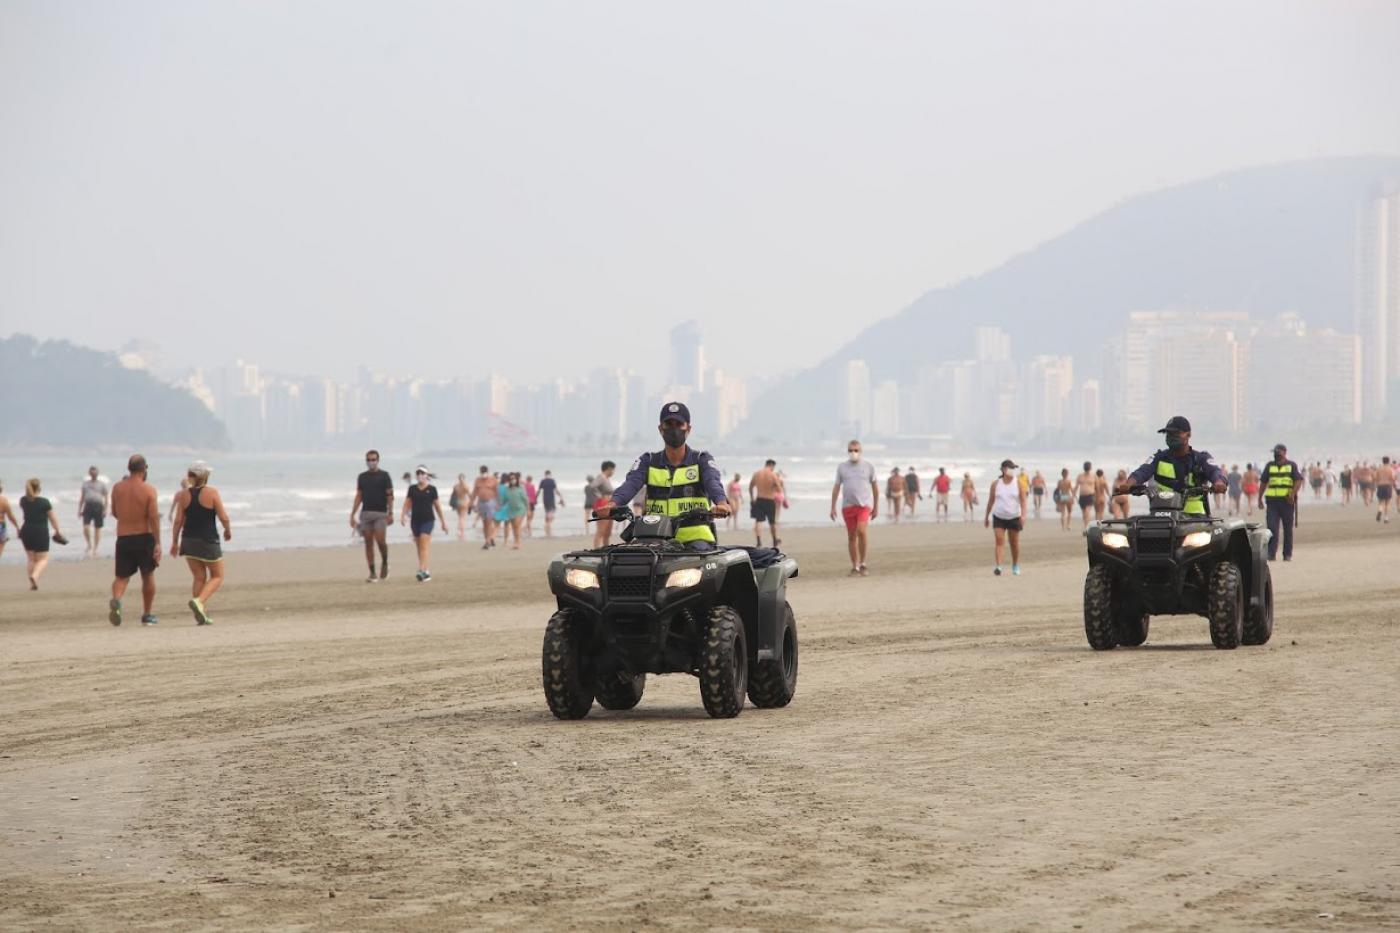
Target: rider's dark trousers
(1280, 512)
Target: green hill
(61, 395)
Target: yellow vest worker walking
(1278, 494)
(677, 480)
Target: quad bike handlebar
(1142, 489)
(621, 513)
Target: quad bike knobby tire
(567, 687)
(724, 664)
(1098, 609)
(1130, 629)
(772, 683)
(1226, 605)
(1259, 622)
(620, 691)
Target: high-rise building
(992, 344)
(1138, 383)
(853, 398)
(1200, 374)
(1299, 378)
(687, 356)
(884, 409)
(1377, 295)
(1049, 386)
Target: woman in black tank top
(195, 537)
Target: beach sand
(336, 755)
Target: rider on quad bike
(677, 480)
(1178, 468)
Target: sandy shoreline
(955, 756)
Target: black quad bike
(654, 606)
(1169, 562)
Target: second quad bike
(1171, 562)
(652, 605)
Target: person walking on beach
(942, 485)
(1084, 488)
(912, 492)
(1064, 499)
(1344, 481)
(1234, 487)
(7, 520)
(1329, 479)
(1121, 504)
(1283, 481)
(1100, 494)
(602, 499)
(859, 492)
(457, 503)
(969, 497)
(1037, 492)
(134, 506)
(549, 494)
(421, 510)
(517, 506)
(532, 498)
(894, 494)
(1385, 489)
(194, 537)
(374, 506)
(734, 494)
(1364, 476)
(1005, 515)
(485, 492)
(92, 508)
(34, 533)
(765, 487)
(1250, 484)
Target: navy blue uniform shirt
(711, 479)
(1199, 462)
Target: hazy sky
(446, 188)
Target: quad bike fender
(1258, 537)
(766, 641)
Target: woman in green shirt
(516, 505)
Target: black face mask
(674, 437)
(1176, 442)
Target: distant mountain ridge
(1264, 240)
(61, 395)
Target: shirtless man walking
(485, 492)
(765, 488)
(1385, 489)
(138, 539)
(1085, 489)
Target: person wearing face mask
(676, 479)
(860, 504)
(1178, 467)
(1006, 514)
(374, 503)
(1279, 499)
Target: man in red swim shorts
(860, 495)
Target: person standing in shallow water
(194, 537)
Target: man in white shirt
(860, 497)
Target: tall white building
(992, 344)
(1049, 386)
(1145, 393)
(687, 356)
(1377, 295)
(884, 409)
(853, 398)
(1299, 378)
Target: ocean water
(283, 501)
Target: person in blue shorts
(419, 508)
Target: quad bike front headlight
(1115, 540)
(1196, 539)
(683, 578)
(581, 579)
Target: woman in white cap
(1006, 511)
(194, 537)
(422, 503)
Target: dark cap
(675, 411)
(1008, 463)
(1177, 423)
(1280, 448)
